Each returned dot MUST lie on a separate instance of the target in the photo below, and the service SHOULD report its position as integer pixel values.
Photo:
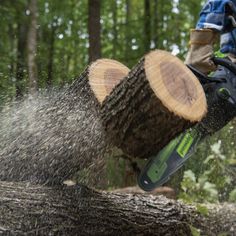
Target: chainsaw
(220, 90)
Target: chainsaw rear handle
(225, 81)
(226, 63)
(204, 79)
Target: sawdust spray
(53, 137)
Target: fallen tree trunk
(50, 143)
(38, 210)
(157, 100)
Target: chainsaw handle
(226, 63)
(204, 79)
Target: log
(157, 100)
(39, 210)
(53, 142)
(97, 80)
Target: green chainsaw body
(220, 91)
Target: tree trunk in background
(161, 23)
(11, 33)
(127, 30)
(147, 25)
(32, 48)
(115, 33)
(94, 29)
(75, 57)
(38, 210)
(20, 58)
(68, 60)
(155, 24)
(49, 80)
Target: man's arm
(215, 20)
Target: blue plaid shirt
(213, 16)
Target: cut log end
(159, 99)
(175, 85)
(104, 75)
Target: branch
(31, 209)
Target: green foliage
(223, 234)
(119, 172)
(203, 210)
(232, 196)
(213, 183)
(194, 231)
(115, 171)
(122, 33)
(197, 190)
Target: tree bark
(39, 210)
(94, 29)
(157, 100)
(32, 48)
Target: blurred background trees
(46, 44)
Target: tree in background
(20, 58)
(32, 48)
(114, 28)
(147, 25)
(51, 45)
(17, 39)
(94, 29)
(155, 36)
(67, 31)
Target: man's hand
(201, 50)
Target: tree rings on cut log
(104, 75)
(159, 99)
(175, 85)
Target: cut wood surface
(104, 75)
(157, 100)
(175, 85)
(38, 210)
(98, 79)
